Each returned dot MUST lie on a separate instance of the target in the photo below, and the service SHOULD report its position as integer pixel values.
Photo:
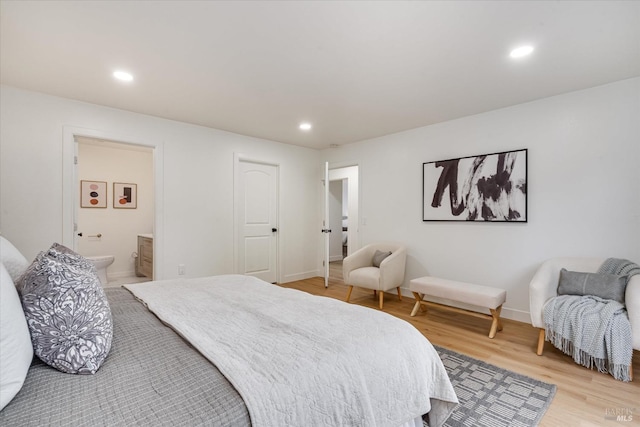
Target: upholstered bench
(467, 293)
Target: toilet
(101, 263)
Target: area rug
(492, 396)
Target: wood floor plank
(583, 398)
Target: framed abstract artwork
(489, 187)
(125, 196)
(93, 194)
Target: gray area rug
(492, 396)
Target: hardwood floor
(583, 398)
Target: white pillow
(16, 351)
(13, 260)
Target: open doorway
(72, 198)
(344, 217)
(115, 218)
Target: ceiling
(355, 70)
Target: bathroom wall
(100, 161)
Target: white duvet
(303, 360)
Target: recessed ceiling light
(123, 76)
(305, 126)
(521, 51)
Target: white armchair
(544, 286)
(358, 269)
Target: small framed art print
(93, 194)
(125, 196)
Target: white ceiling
(355, 70)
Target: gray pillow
(378, 257)
(67, 312)
(606, 286)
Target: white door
(257, 219)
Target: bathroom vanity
(144, 262)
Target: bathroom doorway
(116, 210)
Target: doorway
(343, 208)
(107, 230)
(125, 172)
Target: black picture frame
(488, 188)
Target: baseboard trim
(120, 274)
(515, 314)
(299, 276)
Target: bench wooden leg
(349, 293)
(399, 294)
(540, 342)
(381, 299)
(417, 305)
(496, 325)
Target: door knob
(273, 230)
(80, 234)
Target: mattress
(151, 377)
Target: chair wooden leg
(399, 294)
(381, 299)
(349, 293)
(375, 293)
(540, 342)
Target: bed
(236, 351)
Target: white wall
(197, 210)
(119, 227)
(584, 188)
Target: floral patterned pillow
(68, 256)
(67, 311)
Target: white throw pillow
(16, 351)
(13, 260)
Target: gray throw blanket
(621, 267)
(594, 331)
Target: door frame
(71, 186)
(237, 158)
